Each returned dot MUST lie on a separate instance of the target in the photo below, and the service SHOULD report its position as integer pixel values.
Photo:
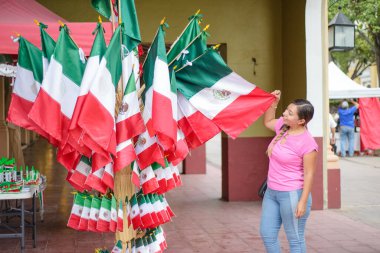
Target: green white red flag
(85, 217)
(28, 82)
(104, 215)
(94, 214)
(160, 98)
(99, 105)
(77, 137)
(113, 221)
(76, 211)
(224, 97)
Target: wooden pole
(123, 188)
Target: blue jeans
(347, 133)
(279, 208)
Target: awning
(16, 16)
(341, 86)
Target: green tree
(366, 15)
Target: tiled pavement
(206, 224)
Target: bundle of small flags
(148, 211)
(83, 178)
(156, 178)
(90, 213)
(154, 240)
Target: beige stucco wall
(272, 31)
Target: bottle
(27, 173)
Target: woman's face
(290, 116)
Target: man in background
(347, 126)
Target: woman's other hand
(301, 209)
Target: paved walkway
(206, 224)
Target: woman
(292, 164)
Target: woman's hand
(277, 94)
(301, 209)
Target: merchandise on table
(15, 180)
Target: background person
(332, 126)
(347, 127)
(292, 164)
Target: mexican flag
(84, 218)
(120, 217)
(26, 87)
(100, 100)
(224, 97)
(156, 208)
(76, 211)
(152, 211)
(188, 34)
(54, 105)
(94, 181)
(48, 46)
(81, 172)
(77, 137)
(108, 176)
(94, 214)
(104, 215)
(148, 151)
(166, 206)
(114, 217)
(135, 213)
(148, 180)
(160, 176)
(129, 122)
(161, 211)
(160, 98)
(145, 213)
(118, 248)
(197, 128)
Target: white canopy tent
(341, 86)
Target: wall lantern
(341, 33)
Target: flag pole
(113, 16)
(175, 42)
(214, 48)
(190, 43)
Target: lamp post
(341, 33)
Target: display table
(31, 193)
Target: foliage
(366, 15)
